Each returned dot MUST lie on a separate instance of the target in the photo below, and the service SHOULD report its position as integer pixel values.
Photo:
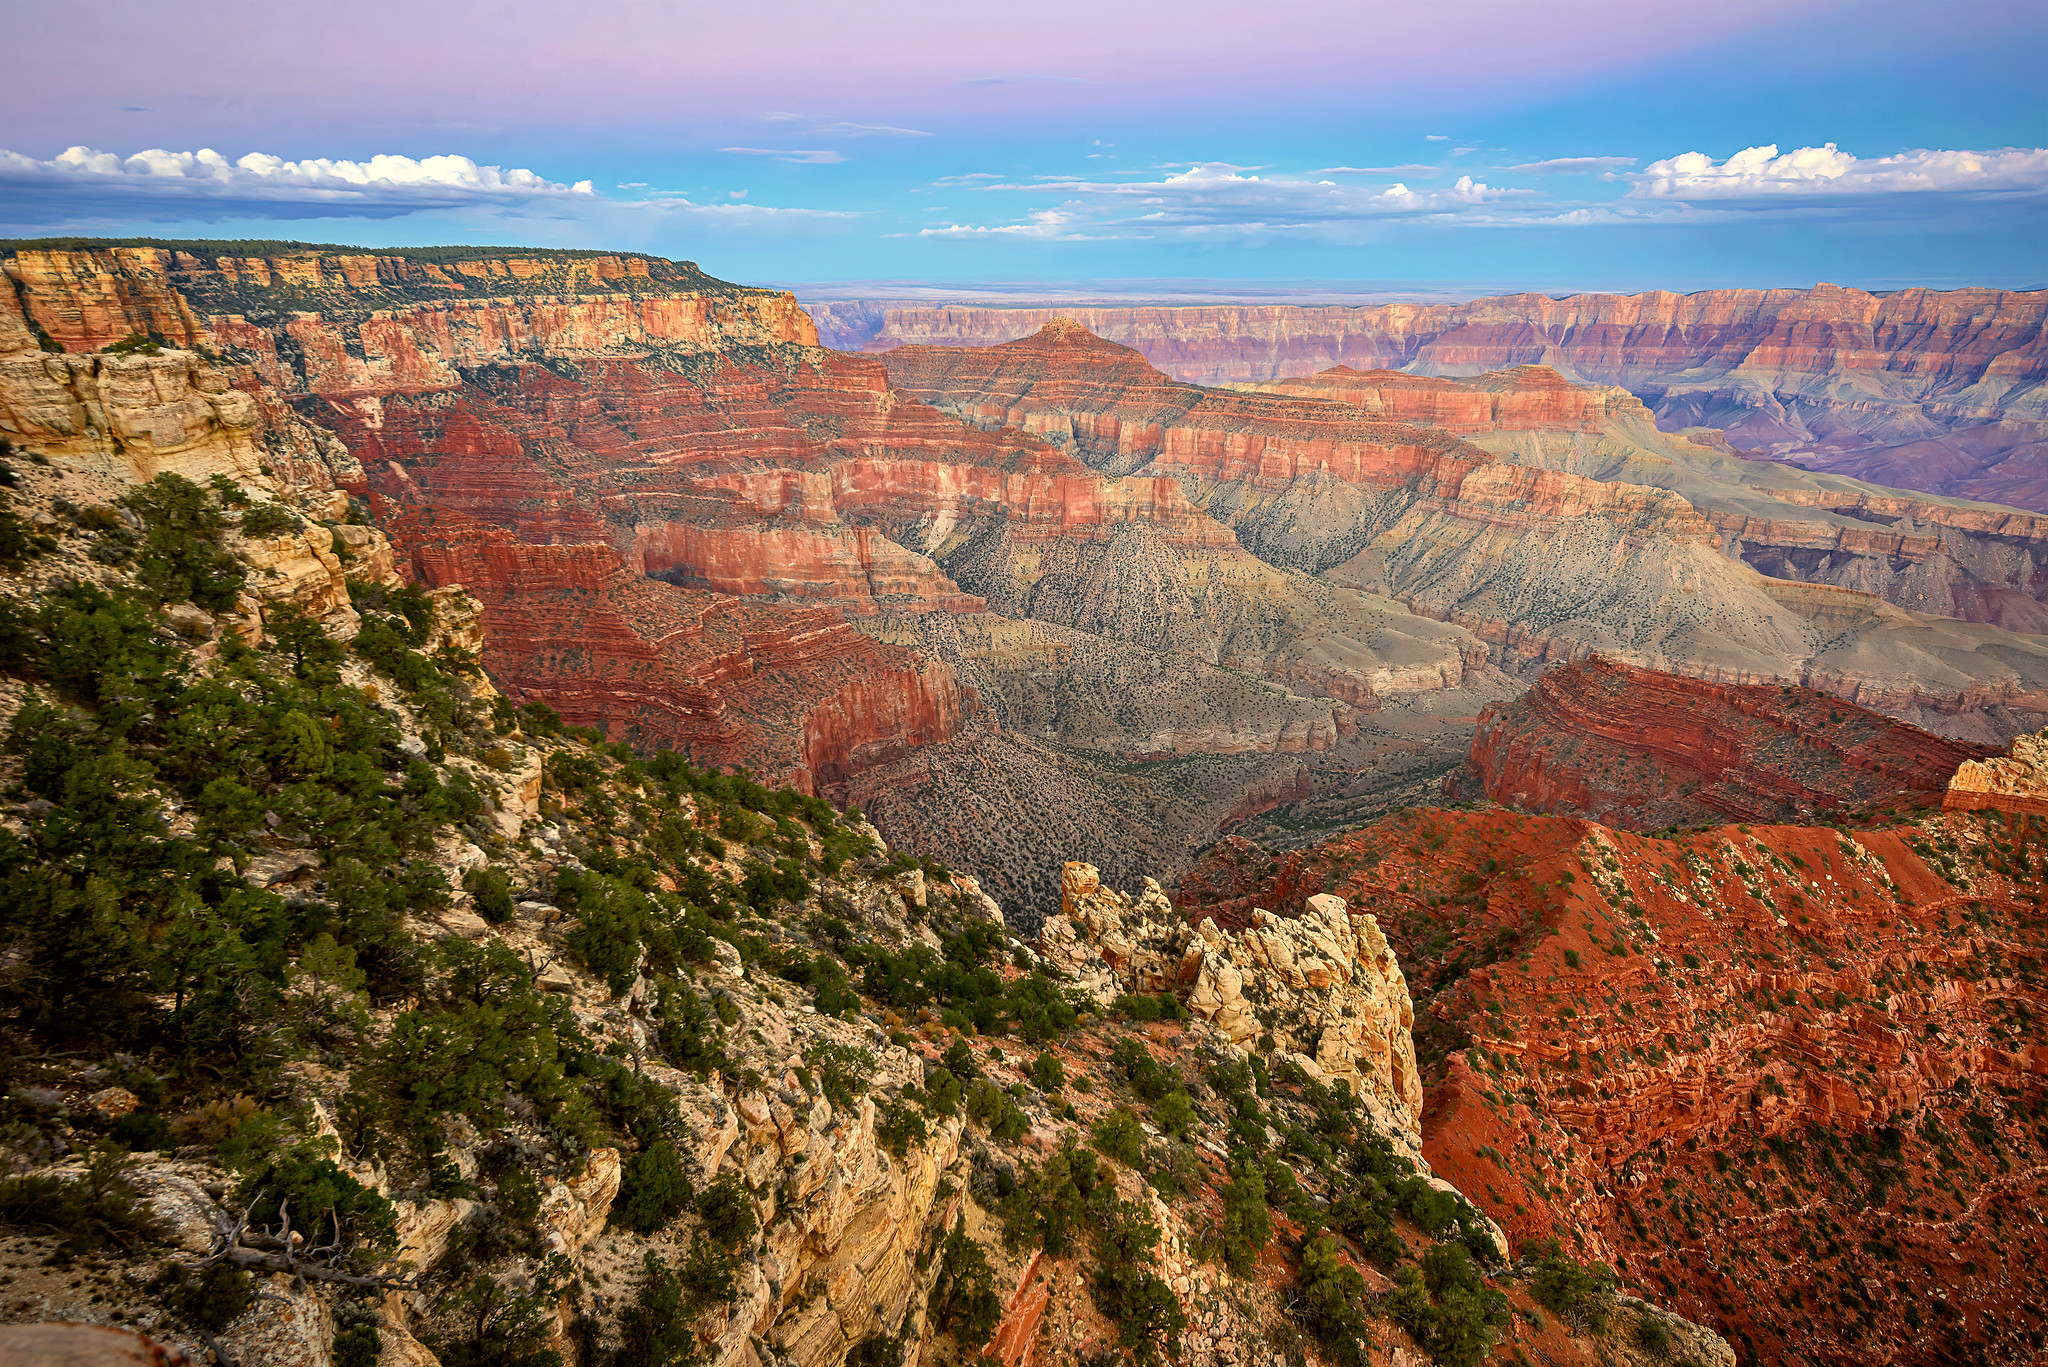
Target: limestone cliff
(2016, 782)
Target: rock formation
(688, 526)
(1324, 985)
(2015, 783)
(1936, 390)
(1786, 1078)
(1549, 541)
(1641, 750)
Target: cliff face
(691, 527)
(1634, 748)
(1560, 524)
(1934, 390)
(1782, 1076)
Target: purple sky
(1569, 144)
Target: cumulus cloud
(1571, 166)
(1763, 174)
(206, 186)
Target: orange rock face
(1634, 748)
(1788, 1080)
(1939, 390)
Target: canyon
(1935, 390)
(1026, 597)
(1551, 522)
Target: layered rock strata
(1938, 390)
(2015, 782)
(1547, 541)
(1634, 748)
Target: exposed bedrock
(1633, 748)
(1939, 390)
(1553, 543)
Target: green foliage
(98, 1209)
(1140, 1006)
(1447, 1307)
(1580, 1293)
(1047, 1073)
(1148, 1316)
(180, 557)
(654, 1189)
(1176, 1115)
(270, 520)
(655, 1330)
(1329, 1301)
(1119, 1135)
(1148, 1079)
(211, 1299)
(500, 1327)
(963, 1299)
(1247, 1224)
(899, 1127)
(1050, 1202)
(490, 892)
(996, 1110)
(320, 1197)
(19, 542)
(842, 1072)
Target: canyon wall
(1937, 390)
(1555, 522)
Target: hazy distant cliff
(1872, 386)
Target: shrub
(963, 1299)
(210, 1300)
(490, 891)
(843, 1072)
(655, 1330)
(1047, 1073)
(1329, 1301)
(1118, 1135)
(97, 1209)
(1247, 1224)
(1577, 1292)
(653, 1189)
(1176, 1115)
(267, 520)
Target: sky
(1120, 147)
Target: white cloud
(813, 126)
(1411, 169)
(1215, 199)
(205, 186)
(1571, 166)
(1762, 173)
(801, 156)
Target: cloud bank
(206, 186)
(1761, 173)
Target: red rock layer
(1065, 383)
(1789, 1080)
(1946, 340)
(793, 694)
(1925, 389)
(1525, 399)
(1635, 748)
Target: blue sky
(1122, 145)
